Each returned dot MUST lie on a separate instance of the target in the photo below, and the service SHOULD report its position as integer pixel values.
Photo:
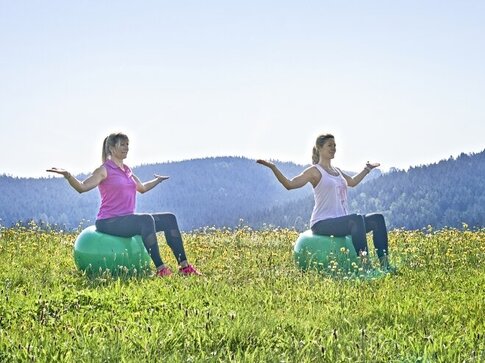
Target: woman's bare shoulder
(101, 171)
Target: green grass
(251, 305)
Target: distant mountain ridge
(216, 191)
(220, 191)
(449, 193)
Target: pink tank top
(330, 197)
(118, 192)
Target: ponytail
(111, 141)
(105, 152)
(315, 155)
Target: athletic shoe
(164, 272)
(189, 270)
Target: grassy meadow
(251, 305)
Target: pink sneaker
(189, 270)
(163, 272)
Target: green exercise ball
(96, 252)
(325, 253)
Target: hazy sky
(398, 82)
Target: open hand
(265, 163)
(372, 165)
(161, 177)
(60, 171)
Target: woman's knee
(173, 228)
(356, 220)
(171, 219)
(165, 220)
(375, 218)
(147, 223)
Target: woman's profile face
(328, 149)
(120, 150)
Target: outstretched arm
(297, 182)
(82, 186)
(145, 187)
(352, 181)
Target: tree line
(222, 191)
(449, 193)
(201, 192)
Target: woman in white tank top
(330, 214)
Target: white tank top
(330, 197)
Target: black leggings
(357, 225)
(147, 225)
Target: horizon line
(387, 170)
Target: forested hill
(444, 194)
(221, 191)
(201, 192)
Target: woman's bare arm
(298, 181)
(352, 181)
(145, 187)
(82, 186)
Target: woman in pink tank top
(330, 214)
(118, 187)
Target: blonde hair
(318, 144)
(110, 141)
